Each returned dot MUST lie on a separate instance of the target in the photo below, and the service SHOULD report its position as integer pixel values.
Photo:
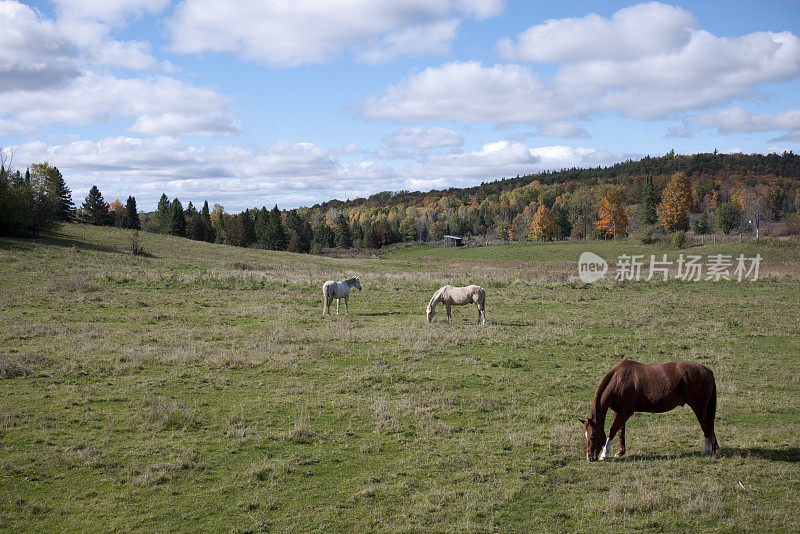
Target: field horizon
(199, 387)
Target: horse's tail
(326, 289)
(711, 410)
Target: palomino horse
(458, 296)
(338, 290)
(633, 387)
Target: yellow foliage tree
(611, 218)
(543, 225)
(676, 201)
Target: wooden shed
(453, 241)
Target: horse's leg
(346, 309)
(337, 306)
(619, 422)
(449, 317)
(621, 451)
(702, 418)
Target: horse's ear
(583, 421)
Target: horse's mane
(598, 394)
(349, 281)
(436, 296)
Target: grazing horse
(338, 290)
(458, 296)
(633, 387)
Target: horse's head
(430, 312)
(358, 283)
(595, 438)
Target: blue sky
(249, 103)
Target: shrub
(647, 234)
(678, 239)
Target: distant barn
(453, 241)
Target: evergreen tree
(177, 219)
(209, 232)
(95, 209)
(243, 233)
(343, 238)
(649, 201)
(701, 224)
(163, 214)
(130, 217)
(262, 219)
(299, 232)
(275, 235)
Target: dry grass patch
(170, 415)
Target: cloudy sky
(293, 102)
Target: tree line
(668, 194)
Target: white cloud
(108, 11)
(647, 61)
(287, 174)
(637, 31)
(738, 120)
(288, 34)
(501, 159)
(563, 129)
(468, 92)
(160, 105)
(707, 71)
(424, 138)
(435, 38)
(33, 53)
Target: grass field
(197, 387)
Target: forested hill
(706, 165)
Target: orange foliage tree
(543, 224)
(676, 201)
(611, 218)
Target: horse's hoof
(619, 454)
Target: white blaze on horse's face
(429, 313)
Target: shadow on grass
(10, 243)
(788, 454)
(61, 240)
(382, 314)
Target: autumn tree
(543, 225)
(611, 218)
(116, 210)
(582, 208)
(676, 201)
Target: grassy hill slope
(198, 387)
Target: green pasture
(197, 387)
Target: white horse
(458, 296)
(338, 290)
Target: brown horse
(633, 387)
